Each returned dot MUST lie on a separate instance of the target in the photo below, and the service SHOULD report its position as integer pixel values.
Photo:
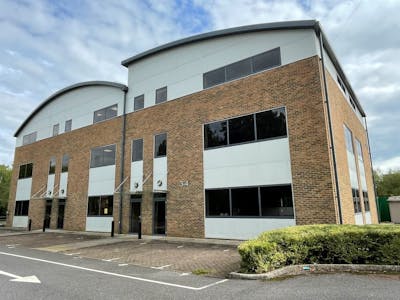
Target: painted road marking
(226, 250)
(162, 267)
(143, 243)
(118, 275)
(184, 274)
(111, 259)
(179, 247)
(122, 265)
(70, 254)
(31, 279)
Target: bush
(322, 244)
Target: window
(68, 125)
(245, 202)
(137, 150)
(239, 69)
(102, 156)
(359, 150)
(271, 123)
(52, 166)
(29, 138)
(65, 162)
(356, 200)
(341, 84)
(56, 129)
(241, 129)
(276, 201)
(21, 208)
(25, 171)
(215, 134)
(366, 201)
(263, 201)
(217, 202)
(251, 65)
(105, 113)
(349, 139)
(138, 102)
(267, 124)
(161, 95)
(100, 206)
(160, 145)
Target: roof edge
(67, 89)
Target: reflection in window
(241, 129)
(137, 150)
(102, 156)
(100, 206)
(105, 113)
(160, 145)
(215, 134)
(271, 123)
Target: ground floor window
(366, 201)
(260, 201)
(100, 206)
(21, 208)
(356, 200)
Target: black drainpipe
(121, 188)
(330, 126)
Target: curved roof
(290, 25)
(66, 90)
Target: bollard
(44, 225)
(140, 229)
(30, 225)
(112, 229)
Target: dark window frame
(134, 153)
(52, 166)
(160, 90)
(138, 100)
(98, 202)
(105, 113)
(29, 138)
(56, 129)
(65, 163)
(25, 171)
(21, 208)
(156, 152)
(68, 125)
(101, 162)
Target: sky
(48, 45)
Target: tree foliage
(387, 184)
(5, 181)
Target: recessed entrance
(47, 214)
(159, 214)
(61, 210)
(136, 206)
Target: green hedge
(321, 244)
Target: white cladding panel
(78, 105)
(24, 187)
(102, 181)
(50, 185)
(368, 217)
(261, 163)
(242, 228)
(182, 68)
(20, 221)
(160, 173)
(99, 224)
(63, 185)
(358, 218)
(136, 176)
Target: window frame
(133, 152)
(25, 171)
(105, 110)
(159, 90)
(100, 208)
(21, 209)
(52, 166)
(29, 138)
(155, 155)
(65, 163)
(68, 125)
(102, 164)
(138, 98)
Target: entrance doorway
(159, 214)
(61, 210)
(47, 213)
(136, 207)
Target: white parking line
(118, 275)
(122, 265)
(162, 267)
(111, 259)
(179, 247)
(70, 254)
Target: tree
(5, 180)
(387, 184)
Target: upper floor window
(29, 138)
(105, 113)
(138, 102)
(65, 163)
(356, 200)
(68, 125)
(161, 95)
(349, 139)
(137, 150)
(359, 150)
(52, 166)
(56, 129)
(341, 84)
(25, 171)
(255, 127)
(102, 156)
(160, 145)
(242, 68)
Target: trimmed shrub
(321, 244)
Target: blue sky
(47, 45)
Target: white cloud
(385, 166)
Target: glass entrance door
(47, 214)
(159, 214)
(61, 210)
(135, 215)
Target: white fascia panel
(24, 187)
(368, 219)
(101, 181)
(261, 163)
(136, 176)
(50, 185)
(99, 224)
(160, 173)
(242, 228)
(63, 185)
(358, 219)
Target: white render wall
(24, 187)
(63, 185)
(160, 173)
(101, 181)
(78, 104)
(99, 224)
(136, 176)
(182, 68)
(50, 185)
(20, 221)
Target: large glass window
(349, 139)
(52, 165)
(68, 125)
(245, 202)
(138, 102)
(105, 113)
(137, 150)
(214, 77)
(100, 206)
(356, 200)
(29, 138)
(271, 123)
(102, 156)
(25, 171)
(65, 163)
(215, 134)
(21, 208)
(241, 129)
(160, 145)
(161, 95)
(276, 201)
(267, 60)
(238, 69)
(359, 150)
(217, 202)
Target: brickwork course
(297, 86)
